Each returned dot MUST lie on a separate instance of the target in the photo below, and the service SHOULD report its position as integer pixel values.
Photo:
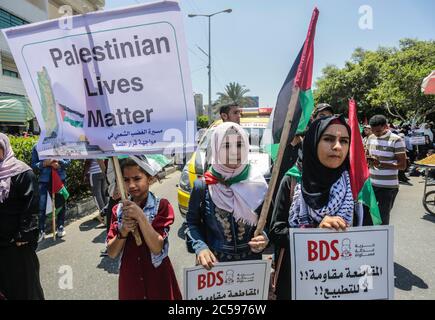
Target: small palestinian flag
(73, 117)
(57, 185)
(60, 192)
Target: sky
(257, 43)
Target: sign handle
(277, 166)
(123, 192)
(53, 213)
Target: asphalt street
(72, 268)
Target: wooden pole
(53, 207)
(277, 165)
(123, 192)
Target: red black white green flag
(60, 192)
(300, 77)
(362, 189)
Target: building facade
(16, 114)
(199, 104)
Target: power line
(198, 69)
(198, 56)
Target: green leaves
(22, 148)
(390, 76)
(202, 122)
(234, 93)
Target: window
(9, 20)
(10, 73)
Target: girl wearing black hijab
(323, 196)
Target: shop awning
(15, 110)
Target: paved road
(95, 277)
(414, 242)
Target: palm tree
(234, 93)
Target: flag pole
(123, 192)
(53, 213)
(301, 82)
(277, 165)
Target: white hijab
(240, 198)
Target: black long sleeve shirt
(19, 212)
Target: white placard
(417, 140)
(117, 82)
(241, 280)
(352, 265)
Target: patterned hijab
(9, 167)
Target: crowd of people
(224, 205)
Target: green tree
(383, 81)
(402, 74)
(234, 93)
(202, 121)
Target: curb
(80, 209)
(166, 171)
(75, 211)
(170, 169)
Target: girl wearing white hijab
(223, 207)
(19, 265)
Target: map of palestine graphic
(48, 104)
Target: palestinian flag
(60, 192)
(298, 82)
(57, 185)
(300, 76)
(362, 189)
(71, 116)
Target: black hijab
(317, 179)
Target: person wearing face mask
(322, 198)
(224, 207)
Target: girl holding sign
(145, 270)
(323, 197)
(224, 207)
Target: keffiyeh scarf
(340, 204)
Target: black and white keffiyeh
(340, 204)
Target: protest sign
(116, 82)
(352, 265)
(241, 280)
(417, 139)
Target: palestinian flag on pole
(298, 84)
(57, 185)
(73, 117)
(292, 113)
(300, 75)
(58, 188)
(362, 189)
(60, 191)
